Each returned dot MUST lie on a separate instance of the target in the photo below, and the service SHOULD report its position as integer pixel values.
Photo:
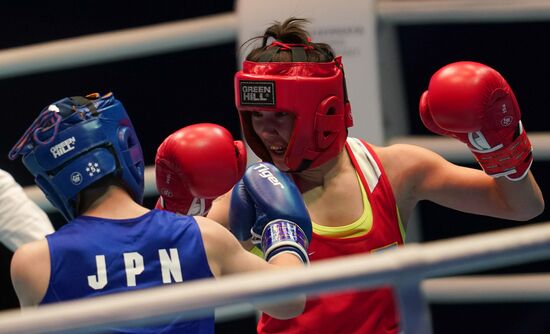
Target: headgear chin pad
(313, 92)
(76, 142)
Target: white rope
(116, 45)
(465, 11)
(222, 28)
(449, 148)
(194, 299)
(516, 288)
(455, 151)
(512, 288)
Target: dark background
(164, 93)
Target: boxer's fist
(268, 207)
(473, 103)
(196, 164)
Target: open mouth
(277, 149)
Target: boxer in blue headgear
(77, 141)
(86, 157)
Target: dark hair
(290, 31)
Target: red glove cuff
(512, 161)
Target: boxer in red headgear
(294, 112)
(321, 114)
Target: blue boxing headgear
(77, 141)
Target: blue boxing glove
(267, 207)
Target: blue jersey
(94, 256)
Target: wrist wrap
(281, 236)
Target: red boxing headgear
(313, 92)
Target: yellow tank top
(358, 228)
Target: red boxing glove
(196, 164)
(473, 103)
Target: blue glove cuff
(280, 236)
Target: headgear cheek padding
(77, 141)
(328, 119)
(313, 92)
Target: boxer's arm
(419, 174)
(30, 272)
(226, 257)
(219, 211)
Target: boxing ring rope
(222, 28)
(404, 266)
(467, 11)
(457, 152)
(117, 45)
(449, 148)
